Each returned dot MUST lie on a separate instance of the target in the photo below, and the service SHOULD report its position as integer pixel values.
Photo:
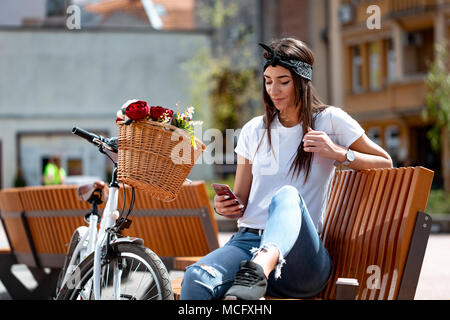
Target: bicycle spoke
(140, 282)
(135, 277)
(150, 290)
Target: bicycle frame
(93, 240)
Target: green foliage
(438, 202)
(19, 180)
(225, 80)
(438, 96)
(184, 121)
(218, 12)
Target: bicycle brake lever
(101, 142)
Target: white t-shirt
(271, 173)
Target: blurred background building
(53, 77)
(383, 73)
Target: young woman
(286, 161)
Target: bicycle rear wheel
(133, 272)
(76, 238)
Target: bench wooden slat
(11, 212)
(354, 222)
(369, 244)
(384, 217)
(379, 230)
(390, 275)
(359, 213)
(346, 218)
(421, 184)
(379, 213)
(361, 235)
(348, 224)
(384, 225)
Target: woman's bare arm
(367, 153)
(243, 181)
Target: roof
(179, 14)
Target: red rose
(137, 110)
(158, 111)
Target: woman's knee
(286, 194)
(197, 284)
(287, 191)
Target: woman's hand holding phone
(226, 203)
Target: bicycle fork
(109, 218)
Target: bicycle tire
(71, 290)
(76, 237)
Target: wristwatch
(349, 157)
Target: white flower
(126, 104)
(120, 114)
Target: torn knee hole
(208, 269)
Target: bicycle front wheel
(133, 272)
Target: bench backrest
(369, 224)
(13, 221)
(47, 217)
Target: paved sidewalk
(434, 281)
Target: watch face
(350, 155)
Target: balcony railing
(402, 7)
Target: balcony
(400, 8)
(402, 97)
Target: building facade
(53, 79)
(384, 49)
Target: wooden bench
(39, 222)
(376, 232)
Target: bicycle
(102, 263)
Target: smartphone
(223, 190)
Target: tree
(437, 86)
(225, 77)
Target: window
(57, 7)
(74, 167)
(390, 61)
(374, 64)
(418, 49)
(374, 135)
(392, 142)
(356, 69)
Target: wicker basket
(156, 157)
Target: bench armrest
(180, 263)
(346, 288)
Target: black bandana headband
(301, 68)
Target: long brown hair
(305, 97)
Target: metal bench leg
(15, 288)
(416, 254)
(46, 288)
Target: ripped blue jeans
(304, 266)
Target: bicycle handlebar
(85, 134)
(110, 144)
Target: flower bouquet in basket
(157, 148)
